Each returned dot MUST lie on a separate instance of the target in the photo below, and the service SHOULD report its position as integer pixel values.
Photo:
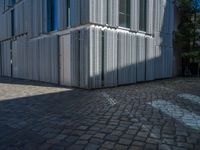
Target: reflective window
(124, 13)
(143, 15)
(52, 15)
(12, 23)
(68, 12)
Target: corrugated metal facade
(6, 58)
(83, 45)
(35, 59)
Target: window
(68, 12)
(12, 23)
(143, 15)
(13, 2)
(9, 3)
(124, 13)
(52, 15)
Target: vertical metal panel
(44, 16)
(75, 12)
(6, 58)
(48, 54)
(43, 65)
(43, 59)
(5, 25)
(75, 58)
(65, 60)
(157, 15)
(163, 25)
(35, 62)
(19, 58)
(126, 58)
(141, 54)
(1, 7)
(36, 18)
(98, 11)
(84, 58)
(62, 13)
(19, 15)
(30, 59)
(85, 11)
(150, 59)
(110, 58)
(54, 58)
(26, 16)
(135, 15)
(29, 20)
(150, 16)
(0, 59)
(113, 12)
(95, 71)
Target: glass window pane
(124, 13)
(143, 8)
(52, 15)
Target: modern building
(87, 43)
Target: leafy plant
(188, 34)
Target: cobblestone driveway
(155, 115)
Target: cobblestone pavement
(154, 115)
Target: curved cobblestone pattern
(37, 115)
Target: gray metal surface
(6, 58)
(99, 54)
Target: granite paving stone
(42, 116)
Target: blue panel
(48, 15)
(13, 2)
(52, 19)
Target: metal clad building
(87, 43)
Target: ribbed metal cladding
(113, 13)
(109, 58)
(135, 15)
(0, 61)
(1, 8)
(5, 58)
(5, 26)
(150, 16)
(75, 15)
(19, 57)
(98, 11)
(150, 59)
(19, 24)
(90, 56)
(85, 11)
(65, 60)
(141, 58)
(75, 58)
(84, 57)
(95, 58)
(62, 9)
(43, 59)
(163, 26)
(126, 58)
